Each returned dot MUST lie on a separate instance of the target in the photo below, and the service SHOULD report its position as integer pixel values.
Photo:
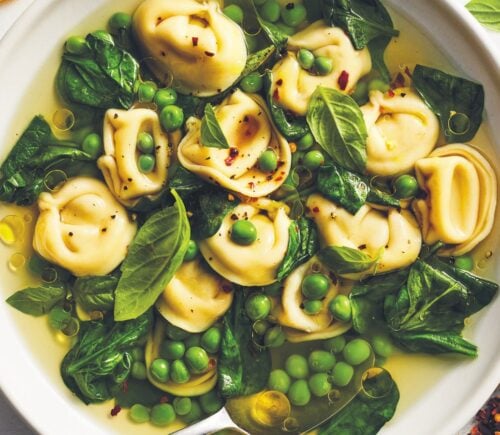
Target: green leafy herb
(136, 391)
(36, 153)
(342, 260)
(487, 12)
(153, 257)
(185, 182)
(37, 301)
(337, 124)
(377, 48)
(95, 293)
(211, 132)
(103, 77)
(258, 59)
(303, 243)
(458, 102)
(100, 358)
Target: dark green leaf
(37, 301)
(211, 132)
(136, 391)
(342, 260)
(155, 254)
(442, 342)
(185, 182)
(377, 48)
(95, 293)
(337, 124)
(487, 12)
(314, 10)
(458, 102)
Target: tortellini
(247, 126)
(391, 236)
(256, 264)
(401, 130)
(289, 312)
(461, 197)
(293, 86)
(119, 162)
(191, 41)
(195, 297)
(83, 228)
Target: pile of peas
(320, 65)
(314, 289)
(287, 17)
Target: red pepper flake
(212, 363)
(279, 178)
(408, 72)
(164, 399)
(391, 93)
(209, 54)
(398, 82)
(343, 80)
(315, 209)
(251, 185)
(114, 412)
(195, 41)
(233, 153)
(276, 95)
(279, 82)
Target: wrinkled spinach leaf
(95, 293)
(37, 301)
(342, 259)
(211, 134)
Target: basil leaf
(185, 182)
(337, 124)
(95, 293)
(37, 301)
(487, 12)
(342, 260)
(459, 103)
(154, 256)
(256, 60)
(211, 132)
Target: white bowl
(454, 388)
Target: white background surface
(10, 421)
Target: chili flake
(343, 80)
(114, 412)
(194, 39)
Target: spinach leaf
(487, 12)
(342, 259)
(36, 153)
(100, 357)
(136, 391)
(242, 368)
(377, 48)
(211, 132)
(37, 301)
(459, 103)
(185, 182)
(337, 124)
(103, 76)
(303, 243)
(154, 256)
(95, 293)
(362, 20)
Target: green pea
(360, 94)
(258, 306)
(138, 370)
(342, 374)
(76, 45)
(193, 341)
(137, 353)
(194, 414)
(243, 233)
(119, 21)
(296, 366)
(305, 142)
(159, 369)
(319, 384)
(464, 262)
(299, 394)
(313, 160)
(335, 344)
(293, 14)
(378, 85)
(196, 359)
(146, 92)
(279, 381)
(305, 58)
(210, 340)
(192, 251)
(312, 307)
(323, 65)
(268, 161)
(145, 143)
(165, 97)
(92, 145)
(211, 402)
(182, 405)
(260, 327)
(59, 318)
(139, 413)
(315, 286)
(287, 30)
(270, 11)
(162, 414)
(171, 117)
(234, 12)
(275, 337)
(175, 333)
(382, 345)
(179, 373)
(340, 307)
(146, 163)
(356, 351)
(405, 186)
(321, 361)
(172, 349)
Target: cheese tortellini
(401, 130)
(83, 228)
(247, 125)
(461, 197)
(256, 264)
(293, 86)
(300, 326)
(195, 298)
(119, 162)
(393, 236)
(191, 41)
